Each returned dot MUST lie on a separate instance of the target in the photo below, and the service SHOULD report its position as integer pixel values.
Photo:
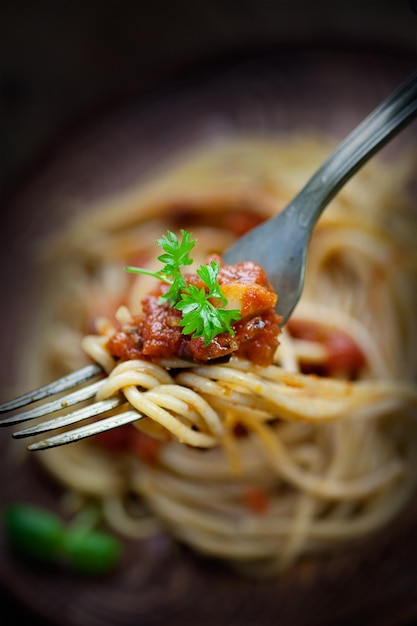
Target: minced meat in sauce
(156, 334)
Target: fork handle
(371, 134)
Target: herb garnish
(200, 317)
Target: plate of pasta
(274, 481)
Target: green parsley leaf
(176, 253)
(200, 318)
(176, 256)
(209, 274)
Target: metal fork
(279, 245)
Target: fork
(279, 245)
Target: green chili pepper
(41, 535)
(34, 532)
(91, 552)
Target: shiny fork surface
(64, 383)
(63, 402)
(279, 245)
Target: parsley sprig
(200, 317)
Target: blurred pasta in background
(304, 456)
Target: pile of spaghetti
(255, 464)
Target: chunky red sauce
(127, 437)
(256, 500)
(344, 356)
(156, 333)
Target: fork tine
(61, 384)
(96, 408)
(56, 405)
(87, 431)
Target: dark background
(61, 62)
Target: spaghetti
(302, 456)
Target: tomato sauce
(129, 438)
(156, 334)
(344, 356)
(256, 500)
